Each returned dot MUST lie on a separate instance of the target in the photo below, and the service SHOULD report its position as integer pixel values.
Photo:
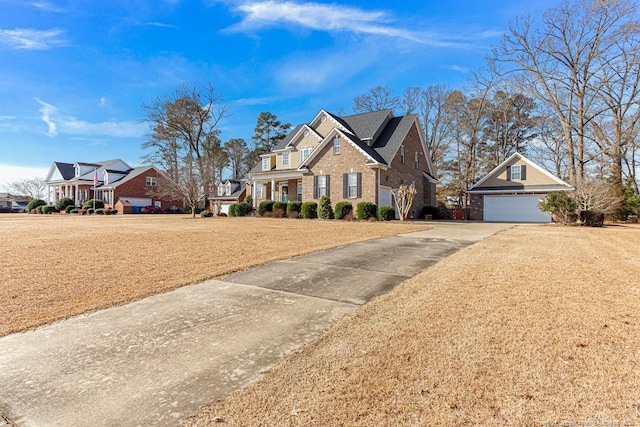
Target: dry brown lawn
(56, 266)
(537, 325)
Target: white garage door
(514, 209)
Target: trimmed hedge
(206, 213)
(34, 203)
(62, 204)
(89, 204)
(343, 209)
(309, 210)
(244, 209)
(366, 210)
(233, 209)
(279, 209)
(265, 206)
(324, 208)
(294, 206)
(386, 213)
(69, 208)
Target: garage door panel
(523, 208)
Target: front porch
(276, 189)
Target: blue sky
(74, 73)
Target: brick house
(109, 181)
(355, 158)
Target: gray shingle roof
(283, 144)
(366, 125)
(66, 170)
(392, 136)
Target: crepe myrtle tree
(403, 197)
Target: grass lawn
(56, 266)
(537, 325)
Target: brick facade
(350, 160)
(477, 207)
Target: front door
(284, 192)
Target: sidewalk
(154, 362)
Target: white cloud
(7, 117)
(317, 16)
(459, 68)
(258, 14)
(113, 129)
(46, 111)
(70, 125)
(28, 38)
(46, 6)
(10, 173)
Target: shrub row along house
(114, 182)
(354, 158)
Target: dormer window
(336, 146)
(151, 181)
(266, 164)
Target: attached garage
(514, 208)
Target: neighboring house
(228, 192)
(11, 203)
(512, 191)
(108, 181)
(355, 158)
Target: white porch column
(75, 199)
(253, 194)
(273, 189)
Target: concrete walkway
(156, 361)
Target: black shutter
(345, 185)
(359, 193)
(328, 188)
(508, 173)
(315, 187)
(523, 172)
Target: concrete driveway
(156, 361)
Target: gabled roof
(129, 176)
(558, 184)
(367, 126)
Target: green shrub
(42, 209)
(265, 206)
(69, 208)
(62, 204)
(244, 209)
(279, 209)
(366, 210)
(90, 211)
(343, 209)
(309, 210)
(99, 211)
(74, 211)
(89, 204)
(206, 213)
(233, 209)
(248, 199)
(592, 218)
(560, 205)
(325, 211)
(34, 203)
(386, 213)
(294, 206)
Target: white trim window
(305, 153)
(402, 154)
(285, 159)
(151, 181)
(266, 164)
(516, 173)
(416, 160)
(336, 145)
(321, 183)
(259, 190)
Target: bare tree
(548, 148)
(185, 140)
(378, 98)
(435, 124)
(560, 64)
(411, 99)
(31, 187)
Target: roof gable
(489, 180)
(372, 156)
